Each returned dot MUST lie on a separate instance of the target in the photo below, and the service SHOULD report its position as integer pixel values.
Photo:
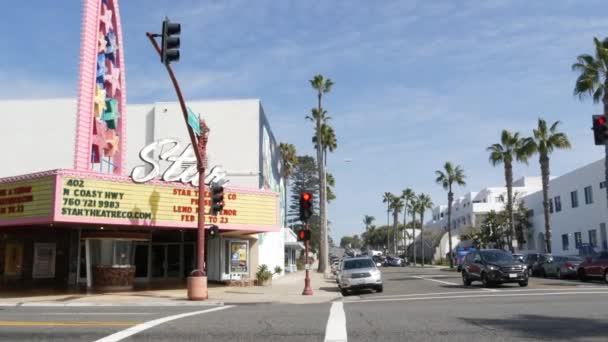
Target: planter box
(113, 278)
(264, 282)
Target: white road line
(435, 280)
(501, 294)
(97, 313)
(336, 323)
(147, 325)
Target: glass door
(173, 261)
(140, 259)
(158, 260)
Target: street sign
(307, 267)
(194, 122)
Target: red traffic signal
(600, 129)
(303, 235)
(305, 206)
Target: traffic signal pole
(197, 284)
(307, 289)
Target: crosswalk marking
(335, 331)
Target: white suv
(359, 273)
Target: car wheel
(344, 292)
(379, 288)
(485, 281)
(465, 279)
(582, 276)
(523, 283)
(606, 276)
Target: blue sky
(416, 82)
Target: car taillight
(569, 265)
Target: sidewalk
(287, 289)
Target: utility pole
(169, 52)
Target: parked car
(394, 261)
(537, 266)
(359, 273)
(493, 266)
(520, 257)
(379, 260)
(530, 259)
(561, 266)
(594, 267)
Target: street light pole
(197, 285)
(307, 289)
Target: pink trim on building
(27, 221)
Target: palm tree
(407, 195)
(593, 81)
(329, 142)
(546, 140)
(511, 147)
(413, 208)
(396, 205)
(424, 203)
(368, 221)
(321, 86)
(387, 198)
(289, 159)
(446, 178)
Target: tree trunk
(395, 223)
(605, 100)
(404, 225)
(544, 171)
(323, 248)
(450, 200)
(509, 180)
(414, 234)
(421, 237)
(388, 231)
(286, 185)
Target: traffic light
(170, 42)
(304, 235)
(305, 206)
(214, 231)
(600, 129)
(217, 199)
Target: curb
(127, 304)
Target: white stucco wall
(570, 220)
(38, 135)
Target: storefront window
(122, 253)
(111, 252)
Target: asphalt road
(416, 305)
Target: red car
(594, 267)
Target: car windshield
(574, 258)
(493, 256)
(360, 263)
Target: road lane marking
(65, 324)
(435, 280)
(335, 331)
(150, 324)
(97, 313)
(501, 294)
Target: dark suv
(493, 266)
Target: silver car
(359, 273)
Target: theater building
(95, 193)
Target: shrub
(263, 273)
(278, 270)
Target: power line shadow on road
(329, 288)
(544, 327)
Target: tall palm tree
(424, 203)
(593, 81)
(511, 147)
(396, 205)
(321, 86)
(407, 195)
(446, 178)
(289, 160)
(545, 141)
(329, 142)
(387, 198)
(413, 208)
(368, 221)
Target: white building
(578, 212)
(470, 209)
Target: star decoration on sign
(111, 47)
(99, 129)
(110, 115)
(110, 146)
(112, 80)
(101, 42)
(100, 100)
(106, 18)
(101, 68)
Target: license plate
(512, 275)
